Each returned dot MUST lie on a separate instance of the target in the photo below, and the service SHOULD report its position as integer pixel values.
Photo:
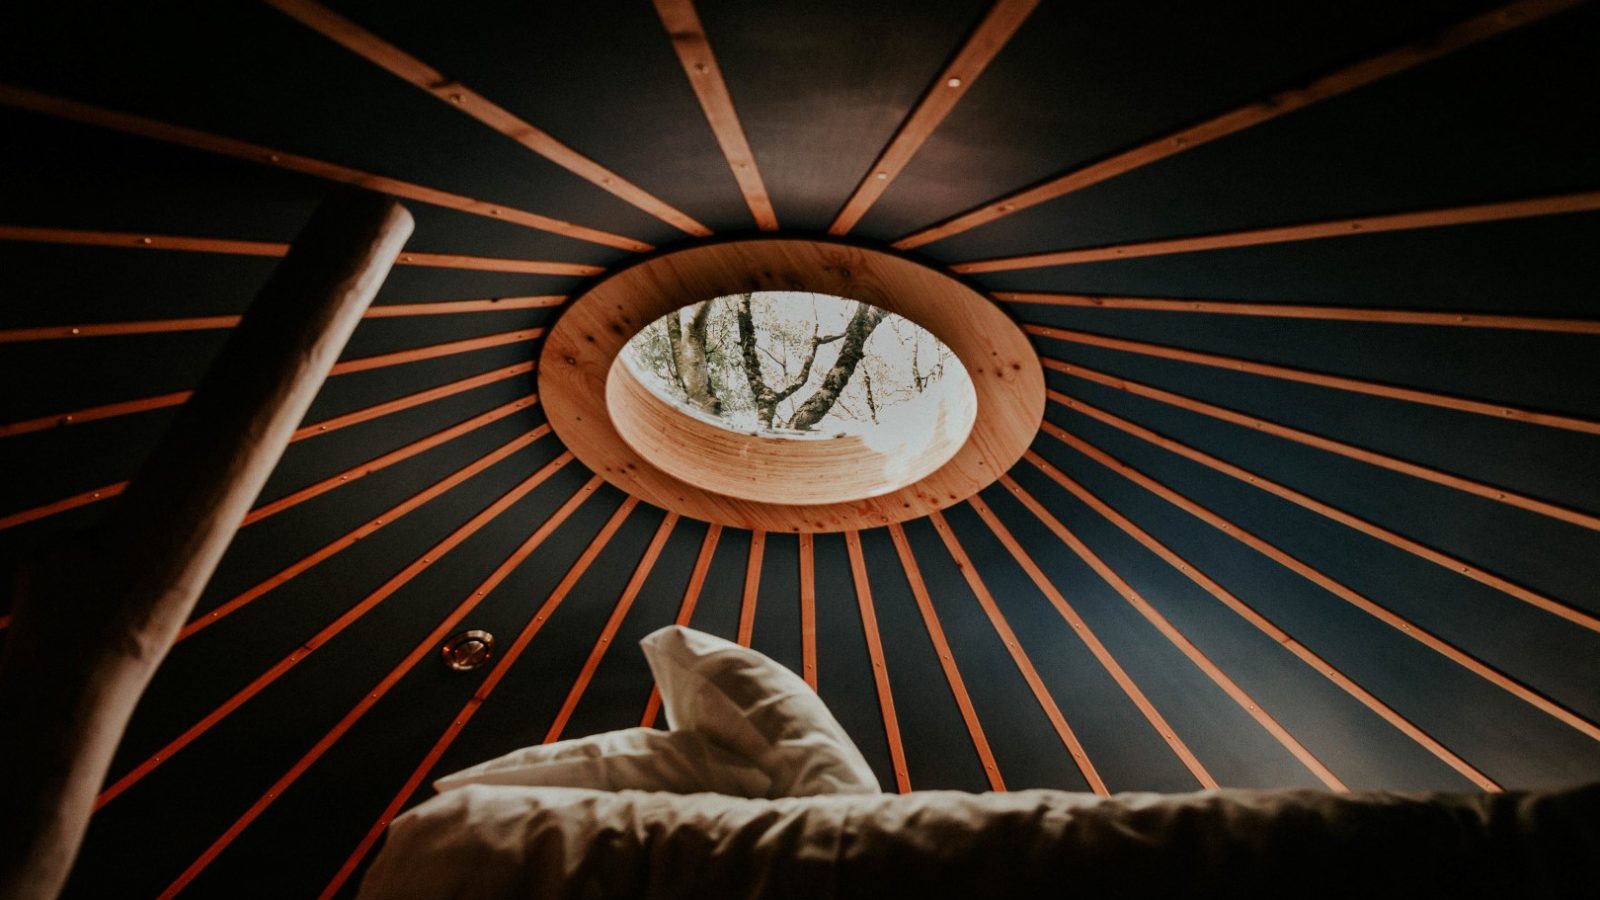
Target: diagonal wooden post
(94, 615)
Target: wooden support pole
(95, 615)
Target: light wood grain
(576, 365)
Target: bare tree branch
(861, 325)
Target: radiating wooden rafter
(1340, 448)
(630, 592)
(752, 586)
(22, 517)
(880, 667)
(403, 65)
(426, 648)
(947, 662)
(691, 598)
(128, 123)
(1340, 81)
(1187, 647)
(1069, 739)
(808, 608)
(1092, 642)
(490, 682)
(329, 632)
(1371, 529)
(954, 80)
(360, 364)
(689, 41)
(1439, 318)
(1501, 411)
(1405, 626)
(1264, 625)
(1563, 204)
(365, 530)
(218, 323)
(193, 244)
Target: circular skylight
(784, 364)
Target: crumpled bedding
(556, 843)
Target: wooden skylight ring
(577, 363)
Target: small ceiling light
(954, 82)
(468, 650)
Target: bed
(755, 791)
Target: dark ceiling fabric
(820, 88)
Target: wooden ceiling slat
(403, 65)
(952, 83)
(1456, 37)
(880, 667)
(1069, 739)
(808, 609)
(192, 244)
(1336, 382)
(705, 77)
(363, 364)
(691, 598)
(1087, 636)
(217, 323)
(1187, 647)
(35, 513)
(1563, 204)
(941, 646)
(377, 464)
(1315, 576)
(486, 688)
(326, 634)
(127, 123)
(1265, 626)
(752, 586)
(287, 780)
(1444, 560)
(1319, 313)
(1349, 451)
(607, 633)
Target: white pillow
(640, 759)
(749, 704)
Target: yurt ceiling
(1314, 502)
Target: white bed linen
(558, 843)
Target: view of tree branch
(786, 362)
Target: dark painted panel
(1120, 743)
(1353, 742)
(820, 87)
(939, 750)
(630, 107)
(1548, 653)
(1557, 373)
(236, 761)
(1549, 555)
(1481, 125)
(218, 67)
(1544, 462)
(717, 611)
(777, 623)
(844, 665)
(620, 688)
(1084, 80)
(525, 704)
(1538, 266)
(1493, 730)
(1026, 748)
(1227, 741)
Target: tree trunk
(689, 353)
(96, 615)
(766, 398)
(854, 348)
